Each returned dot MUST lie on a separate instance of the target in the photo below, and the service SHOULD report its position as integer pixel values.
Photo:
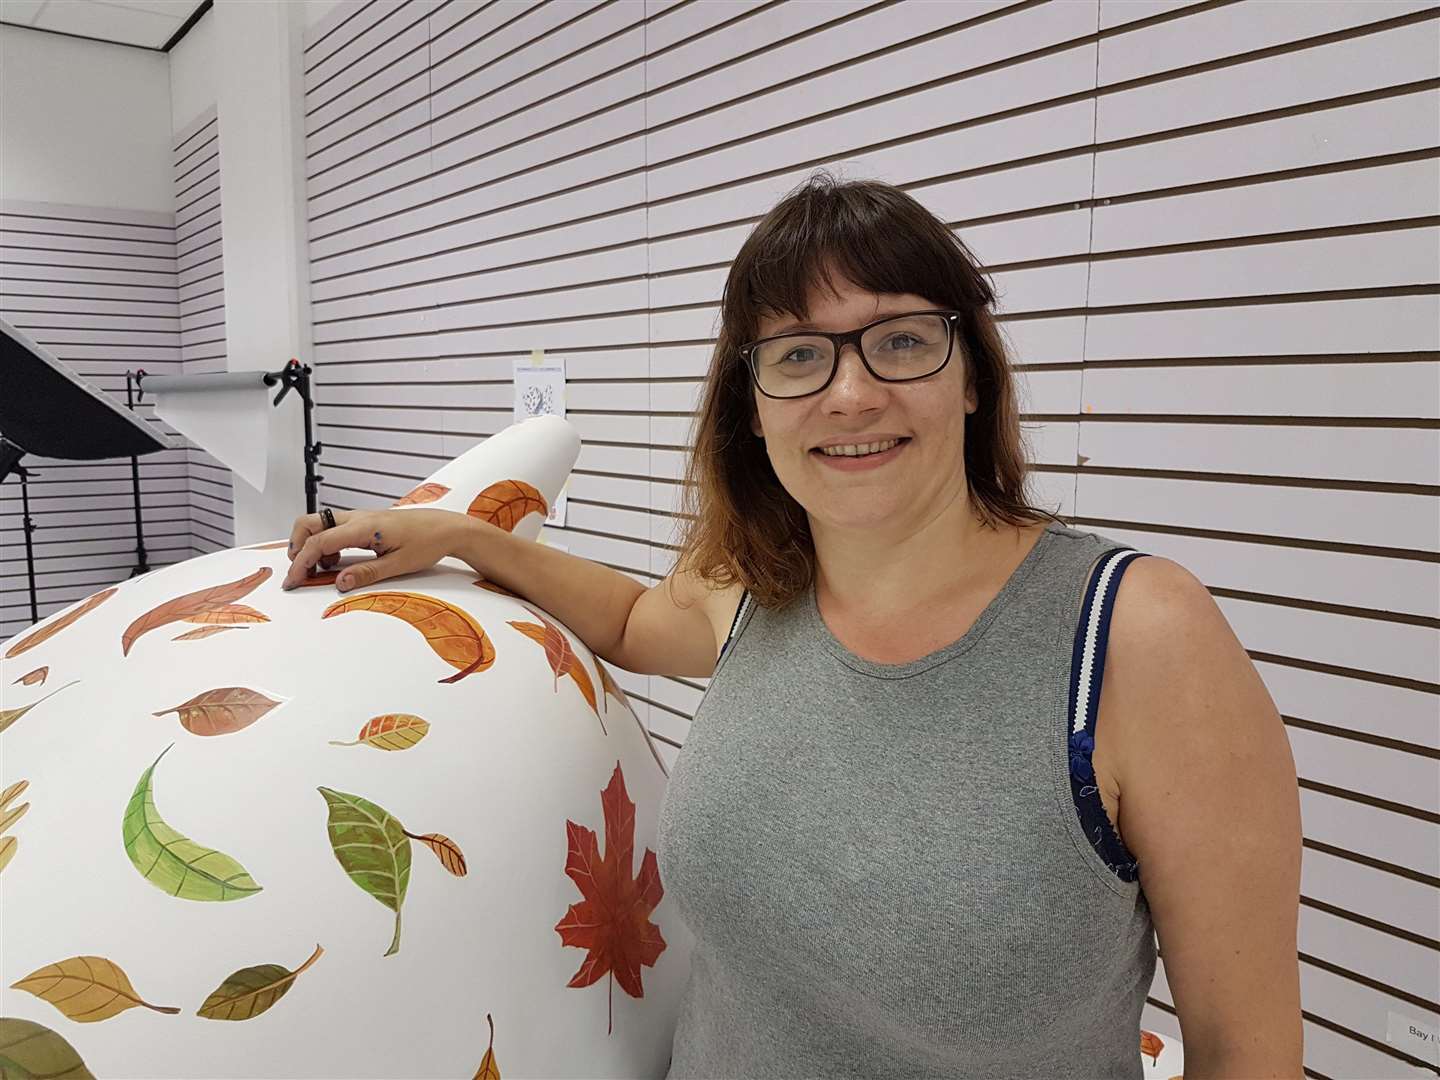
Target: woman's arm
(1210, 807)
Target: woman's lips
(861, 464)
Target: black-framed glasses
(897, 348)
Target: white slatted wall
(201, 280)
(96, 287)
(1214, 229)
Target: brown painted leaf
(228, 615)
(425, 493)
(488, 1070)
(31, 678)
(247, 993)
(9, 716)
(450, 632)
(221, 711)
(561, 656)
(610, 686)
(484, 584)
(392, 731)
(51, 629)
(86, 989)
(613, 921)
(505, 503)
(271, 546)
(319, 577)
(445, 849)
(204, 632)
(1151, 1044)
(194, 603)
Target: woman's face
(906, 485)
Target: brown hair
(740, 524)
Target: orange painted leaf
(450, 632)
(221, 711)
(50, 630)
(561, 656)
(31, 678)
(228, 615)
(610, 686)
(1151, 1044)
(488, 1070)
(204, 632)
(445, 849)
(195, 603)
(505, 503)
(271, 546)
(613, 921)
(425, 493)
(480, 582)
(319, 577)
(391, 731)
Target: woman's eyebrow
(811, 326)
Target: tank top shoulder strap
(735, 623)
(1087, 671)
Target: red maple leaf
(613, 921)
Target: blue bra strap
(1087, 671)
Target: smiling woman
(896, 825)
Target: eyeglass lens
(907, 347)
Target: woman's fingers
(325, 542)
(307, 525)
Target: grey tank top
(883, 864)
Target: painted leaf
(204, 632)
(488, 1070)
(561, 656)
(425, 493)
(32, 678)
(221, 711)
(86, 989)
(228, 615)
(29, 1050)
(251, 991)
(318, 577)
(9, 716)
(613, 921)
(392, 731)
(1151, 1044)
(482, 583)
(193, 603)
(371, 847)
(173, 863)
(445, 849)
(610, 686)
(450, 632)
(271, 546)
(10, 844)
(506, 503)
(48, 631)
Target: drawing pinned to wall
(540, 391)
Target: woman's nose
(853, 386)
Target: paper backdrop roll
(404, 831)
(225, 413)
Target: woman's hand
(404, 541)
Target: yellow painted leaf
(9, 817)
(204, 632)
(9, 716)
(488, 1069)
(8, 844)
(51, 629)
(221, 711)
(32, 678)
(392, 731)
(11, 792)
(450, 632)
(251, 991)
(86, 989)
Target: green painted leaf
(30, 1050)
(174, 863)
(250, 991)
(372, 848)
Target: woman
(903, 843)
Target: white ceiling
(150, 23)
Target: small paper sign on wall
(540, 391)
